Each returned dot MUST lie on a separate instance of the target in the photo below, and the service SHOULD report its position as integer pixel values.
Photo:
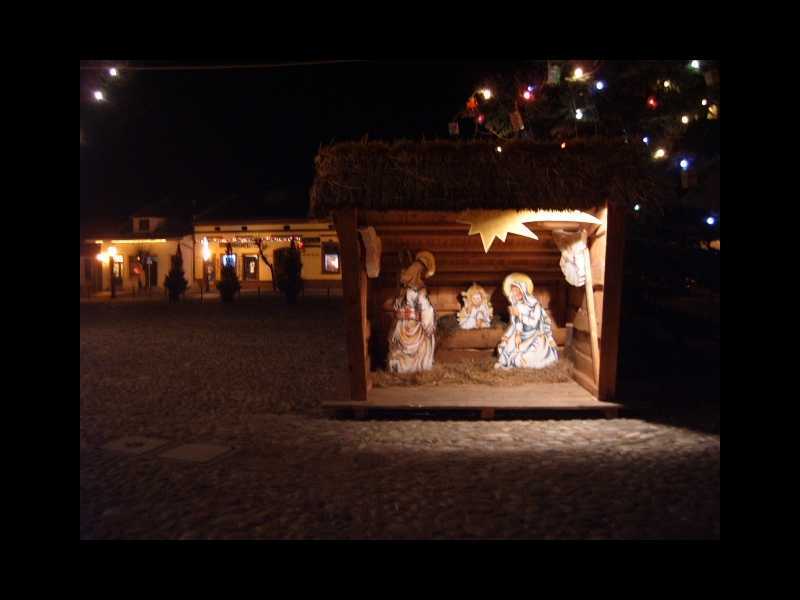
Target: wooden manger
(415, 197)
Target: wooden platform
(534, 397)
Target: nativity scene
(469, 330)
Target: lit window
(229, 260)
(331, 263)
(330, 258)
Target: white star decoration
(491, 224)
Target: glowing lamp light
(636, 207)
(660, 153)
(112, 250)
(98, 95)
(526, 94)
(563, 145)
(102, 256)
(481, 118)
(579, 114)
(486, 93)
(600, 85)
(113, 72)
(695, 64)
(710, 221)
(577, 73)
(499, 148)
(206, 250)
(530, 88)
(667, 83)
(684, 164)
(704, 102)
(685, 119)
(652, 102)
(646, 140)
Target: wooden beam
(591, 310)
(355, 301)
(612, 301)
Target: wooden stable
(354, 183)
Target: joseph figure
(413, 339)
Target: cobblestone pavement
(298, 475)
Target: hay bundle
(463, 175)
(476, 372)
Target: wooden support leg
(612, 301)
(355, 301)
(592, 315)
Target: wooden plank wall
(460, 261)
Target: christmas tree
(175, 282)
(228, 285)
(669, 108)
(289, 266)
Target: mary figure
(411, 345)
(528, 342)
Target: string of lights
(485, 100)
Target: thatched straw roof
(463, 175)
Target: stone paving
(295, 474)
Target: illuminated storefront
(256, 244)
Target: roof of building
(167, 207)
(284, 204)
(463, 175)
(101, 227)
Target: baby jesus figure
(477, 310)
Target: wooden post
(591, 310)
(612, 301)
(355, 301)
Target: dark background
(201, 135)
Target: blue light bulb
(711, 220)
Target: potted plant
(289, 267)
(175, 282)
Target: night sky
(203, 135)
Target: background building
(257, 240)
(138, 252)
